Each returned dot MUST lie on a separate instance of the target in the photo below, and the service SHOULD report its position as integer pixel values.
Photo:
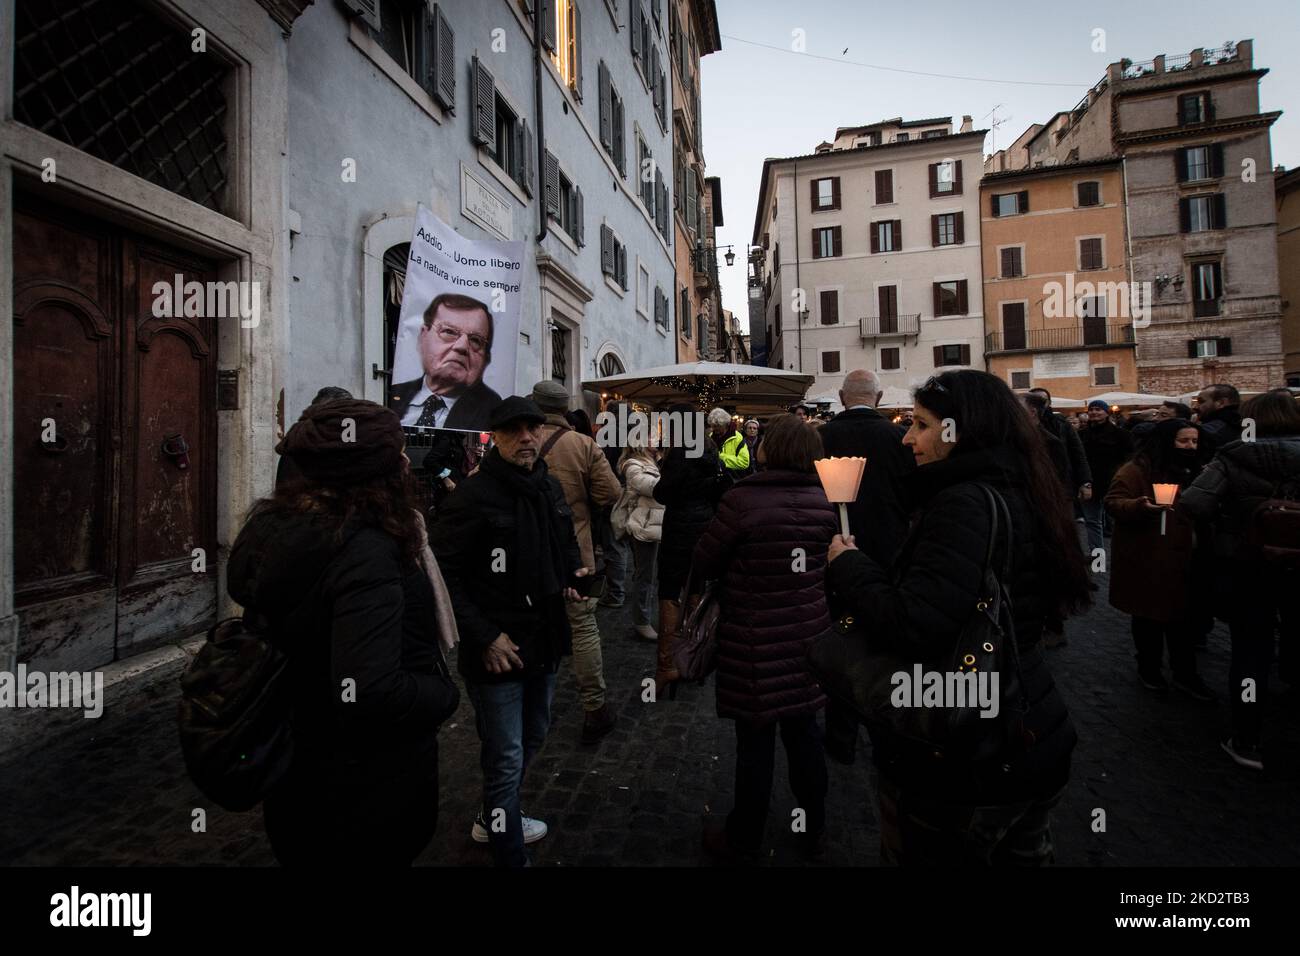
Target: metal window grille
(560, 355)
(119, 82)
(610, 365)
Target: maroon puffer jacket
(770, 612)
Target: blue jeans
(644, 590)
(512, 719)
(1095, 516)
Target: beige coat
(642, 517)
(584, 474)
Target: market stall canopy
(1059, 403)
(1133, 399)
(895, 397)
(748, 387)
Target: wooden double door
(115, 442)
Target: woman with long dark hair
(1151, 556)
(968, 430)
(333, 569)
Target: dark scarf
(539, 546)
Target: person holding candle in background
(767, 545)
(1151, 555)
(969, 430)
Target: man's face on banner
(454, 349)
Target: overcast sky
(758, 101)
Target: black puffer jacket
(919, 607)
(770, 612)
(689, 488)
(1242, 475)
(346, 607)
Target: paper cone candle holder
(1165, 494)
(840, 479)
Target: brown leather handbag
(695, 653)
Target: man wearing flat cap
(589, 483)
(507, 548)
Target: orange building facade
(1059, 309)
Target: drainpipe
(1128, 245)
(541, 127)
(798, 282)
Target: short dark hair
(329, 393)
(462, 303)
(1221, 392)
(1040, 389)
(798, 407)
(790, 444)
(1274, 413)
(1180, 410)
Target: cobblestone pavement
(114, 791)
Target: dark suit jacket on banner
(470, 413)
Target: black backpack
(234, 716)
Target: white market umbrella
(708, 383)
(1132, 399)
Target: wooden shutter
(993, 207)
(958, 228)
(606, 107)
(875, 237)
(1022, 204)
(606, 250)
(621, 257)
(653, 77)
(887, 298)
(1185, 214)
(812, 194)
(934, 230)
(1191, 348)
(579, 229)
(528, 158)
(898, 234)
(835, 192)
(1224, 346)
(816, 245)
(1180, 164)
(956, 177)
(1013, 325)
(962, 308)
(1219, 210)
(938, 300)
(548, 24)
(830, 307)
(620, 142)
(551, 187)
(634, 27)
(483, 128)
(1209, 106)
(884, 186)
(934, 180)
(938, 355)
(444, 90)
(965, 354)
(836, 245)
(577, 50)
(1216, 160)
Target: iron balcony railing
(875, 325)
(1047, 340)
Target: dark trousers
(916, 831)
(755, 763)
(1152, 637)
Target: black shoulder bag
(880, 686)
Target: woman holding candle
(767, 545)
(968, 430)
(1151, 555)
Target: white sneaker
(534, 830)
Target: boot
(597, 724)
(670, 622)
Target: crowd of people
(524, 544)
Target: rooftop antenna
(994, 124)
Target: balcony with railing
(874, 326)
(1086, 336)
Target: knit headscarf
(345, 441)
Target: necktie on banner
(432, 406)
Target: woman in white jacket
(640, 518)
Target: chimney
(966, 125)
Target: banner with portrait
(458, 335)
